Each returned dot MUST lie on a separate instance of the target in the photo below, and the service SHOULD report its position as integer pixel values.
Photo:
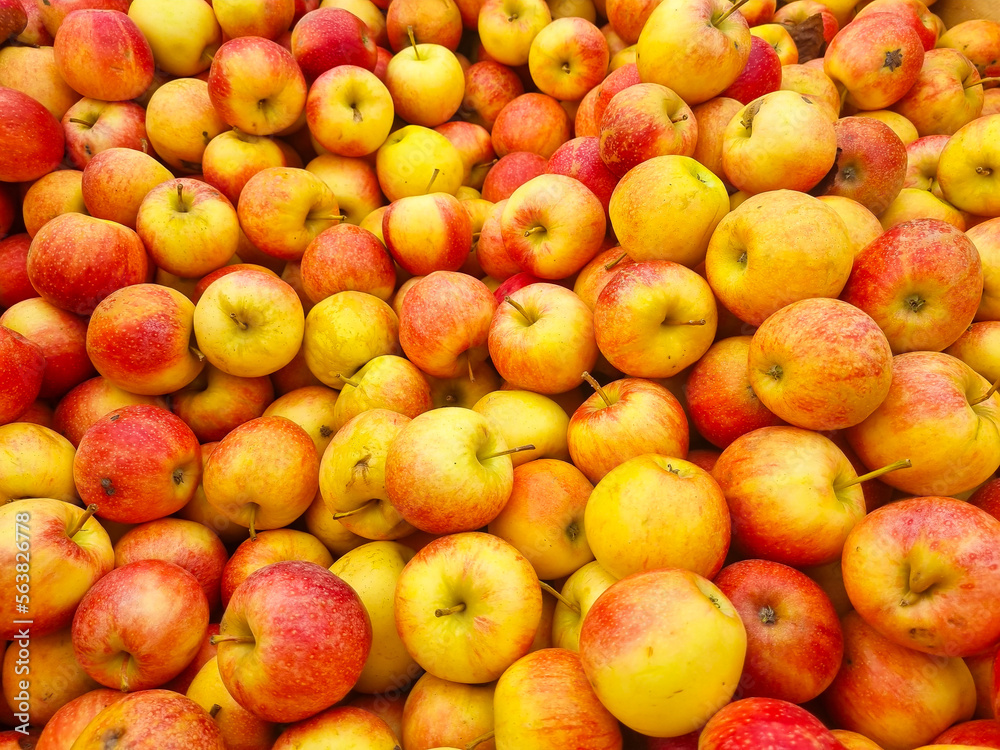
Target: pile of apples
(468, 373)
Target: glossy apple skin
(508, 174)
(489, 87)
(759, 722)
(270, 547)
(93, 126)
(761, 75)
(329, 37)
(138, 463)
(22, 369)
(62, 730)
(56, 193)
(531, 122)
(347, 258)
(580, 158)
(91, 400)
(871, 163)
(794, 640)
(140, 625)
(981, 733)
(616, 81)
(427, 233)
(31, 137)
(929, 693)
(342, 724)
(153, 719)
(214, 403)
(14, 286)
(116, 180)
(442, 713)
(945, 95)
(76, 261)
(35, 461)
(323, 628)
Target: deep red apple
(31, 139)
(22, 367)
(761, 75)
(766, 724)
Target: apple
(66, 725)
(922, 163)
(835, 385)
(945, 95)
(876, 58)
(442, 26)
(977, 39)
(116, 180)
(532, 122)
(490, 596)
(762, 256)
(578, 595)
(927, 26)
(386, 382)
(780, 39)
(663, 650)
(474, 146)
(415, 160)
(654, 318)
(349, 111)
(137, 464)
(233, 157)
(183, 36)
(489, 87)
(249, 323)
(508, 27)
(580, 158)
(329, 37)
(31, 138)
(34, 72)
(975, 347)
(465, 391)
(985, 733)
(509, 173)
(794, 641)
(263, 474)
(35, 461)
(54, 194)
(754, 722)
(900, 271)
(62, 339)
(160, 717)
(214, 402)
(913, 204)
(525, 417)
(181, 121)
(14, 284)
(871, 163)
(812, 83)
(323, 628)
(967, 169)
(441, 713)
(568, 58)
(103, 55)
(929, 693)
(761, 75)
(959, 408)
(986, 238)
(756, 151)
(341, 724)
(544, 698)
(353, 181)
(426, 82)
(586, 123)
(268, 19)
(802, 10)
(617, 81)
(696, 49)
(91, 400)
(537, 326)
(256, 85)
(268, 548)
(863, 226)
(854, 741)
(427, 233)
(238, 727)
(311, 407)
(644, 121)
(372, 571)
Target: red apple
(761, 75)
(92, 126)
(922, 162)
(427, 233)
(91, 400)
(510, 172)
(31, 139)
(531, 122)
(617, 80)
(580, 158)
(759, 722)
(214, 403)
(347, 258)
(440, 24)
(68, 723)
(328, 37)
(154, 718)
(268, 548)
(945, 96)
(22, 368)
(983, 733)
(116, 180)
(871, 163)
(489, 87)
(14, 284)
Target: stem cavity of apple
(413, 42)
(699, 322)
(480, 740)
(460, 607)
(468, 363)
(533, 230)
(507, 452)
(519, 307)
(730, 12)
(589, 379)
(986, 396)
(902, 464)
(559, 597)
(124, 674)
(82, 520)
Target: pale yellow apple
(183, 34)
(181, 121)
(264, 18)
(466, 392)
(33, 71)
(978, 347)
(416, 161)
(344, 332)
(862, 225)
(581, 591)
(780, 39)
(35, 462)
(914, 203)
(814, 84)
(508, 27)
(902, 127)
(372, 571)
(353, 181)
(969, 167)
(335, 536)
(986, 238)
(239, 727)
(527, 418)
(427, 84)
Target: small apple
(159, 718)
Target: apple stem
(699, 322)
(517, 306)
(460, 607)
(480, 740)
(214, 710)
(485, 164)
(475, 237)
(413, 42)
(338, 217)
(180, 198)
(559, 597)
(616, 261)
(124, 674)
(198, 354)
(597, 387)
(533, 230)
(347, 380)
(87, 513)
(468, 362)
(986, 396)
(981, 81)
(243, 326)
(730, 12)
(903, 464)
(215, 640)
(253, 520)
(77, 121)
(346, 513)
(507, 452)
(434, 176)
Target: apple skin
(427, 233)
(496, 627)
(860, 53)
(400, 174)
(328, 37)
(580, 158)
(544, 698)
(22, 370)
(268, 548)
(13, 19)
(681, 47)
(91, 400)
(56, 193)
(152, 320)
(976, 347)
(794, 640)
(509, 173)
(572, 42)
(256, 85)
(33, 71)
(918, 254)
(761, 75)
(616, 81)
(92, 126)
(140, 625)
(311, 407)
(720, 398)
(341, 724)
(15, 286)
(386, 382)
(103, 55)
(337, 99)
(441, 713)
(594, 276)
(153, 718)
(523, 416)
(811, 82)
(631, 311)
(531, 122)
(632, 509)
(944, 544)
(922, 162)
(240, 729)
(176, 116)
(323, 627)
(640, 688)
(507, 31)
(31, 137)
(68, 723)
(945, 95)
(965, 171)
(489, 87)
(978, 40)
(871, 163)
(116, 180)
(214, 403)
(930, 693)
(35, 461)
(183, 36)
(233, 157)
(758, 722)
(863, 226)
(982, 733)
(643, 121)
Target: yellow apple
(416, 161)
(238, 727)
(580, 592)
(527, 418)
(508, 27)
(427, 84)
(183, 34)
(35, 462)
